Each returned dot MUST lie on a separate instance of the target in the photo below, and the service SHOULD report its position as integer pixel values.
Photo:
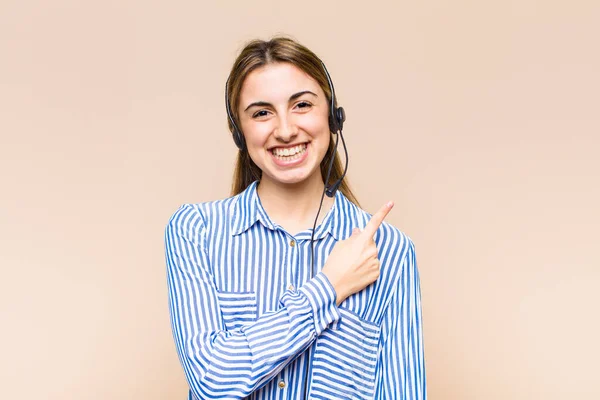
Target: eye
(260, 113)
(304, 105)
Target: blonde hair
(256, 54)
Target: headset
(337, 116)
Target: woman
(269, 302)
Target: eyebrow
(267, 104)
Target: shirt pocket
(345, 359)
(237, 309)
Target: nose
(285, 130)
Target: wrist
(337, 287)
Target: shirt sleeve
(231, 364)
(401, 365)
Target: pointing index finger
(377, 219)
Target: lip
(292, 163)
(289, 146)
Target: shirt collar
(247, 210)
(339, 221)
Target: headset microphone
(337, 116)
(331, 189)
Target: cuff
(321, 297)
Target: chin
(290, 177)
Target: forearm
(232, 364)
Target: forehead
(276, 82)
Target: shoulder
(194, 216)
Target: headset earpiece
(337, 116)
(238, 138)
(340, 116)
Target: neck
(294, 206)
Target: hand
(353, 263)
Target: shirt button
(281, 384)
(291, 287)
(292, 243)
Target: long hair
(256, 54)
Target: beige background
(479, 118)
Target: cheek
(317, 125)
(256, 134)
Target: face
(283, 113)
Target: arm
(401, 365)
(222, 364)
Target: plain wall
(479, 118)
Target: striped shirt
(246, 316)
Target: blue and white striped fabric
(244, 311)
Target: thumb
(356, 231)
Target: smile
(290, 153)
(289, 156)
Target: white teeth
(289, 151)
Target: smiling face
(283, 113)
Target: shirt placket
(291, 267)
(292, 263)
